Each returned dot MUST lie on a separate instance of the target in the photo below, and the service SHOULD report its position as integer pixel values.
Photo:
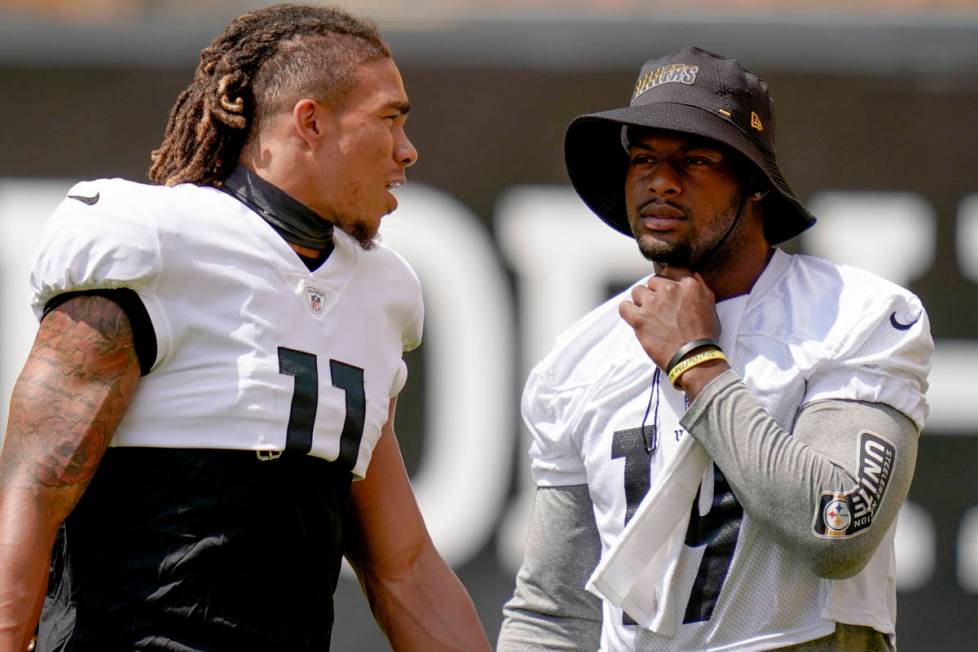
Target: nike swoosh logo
(900, 326)
(90, 201)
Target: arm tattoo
(75, 388)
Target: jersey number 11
(305, 399)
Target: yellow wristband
(686, 364)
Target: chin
(363, 231)
(664, 253)
(653, 248)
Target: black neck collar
(294, 221)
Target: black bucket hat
(692, 91)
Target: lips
(661, 210)
(392, 185)
(656, 216)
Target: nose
(664, 179)
(405, 152)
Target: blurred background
(876, 131)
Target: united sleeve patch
(849, 513)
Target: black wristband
(688, 348)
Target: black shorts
(193, 550)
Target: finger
(629, 312)
(640, 294)
(702, 281)
(659, 283)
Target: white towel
(639, 567)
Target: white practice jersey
(254, 351)
(809, 330)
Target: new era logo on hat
(691, 91)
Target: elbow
(832, 571)
(838, 560)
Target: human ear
(309, 121)
(758, 190)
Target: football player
(721, 451)
(205, 424)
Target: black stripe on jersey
(143, 333)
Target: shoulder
(98, 221)
(845, 279)
(101, 200)
(105, 234)
(122, 204)
(820, 300)
(122, 196)
(855, 335)
(385, 264)
(129, 216)
(585, 358)
(388, 279)
(585, 351)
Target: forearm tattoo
(72, 394)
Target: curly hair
(263, 62)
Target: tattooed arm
(78, 382)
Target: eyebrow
(402, 107)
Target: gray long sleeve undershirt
(550, 610)
(777, 476)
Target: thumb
(702, 281)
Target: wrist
(687, 349)
(690, 361)
(695, 379)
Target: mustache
(660, 202)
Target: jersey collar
(294, 221)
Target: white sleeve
(414, 325)
(555, 457)
(400, 379)
(399, 276)
(88, 247)
(412, 320)
(884, 358)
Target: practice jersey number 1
(304, 368)
(718, 529)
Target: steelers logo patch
(837, 517)
(847, 513)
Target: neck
(308, 252)
(732, 266)
(285, 168)
(306, 232)
(735, 280)
(728, 279)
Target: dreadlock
(263, 61)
